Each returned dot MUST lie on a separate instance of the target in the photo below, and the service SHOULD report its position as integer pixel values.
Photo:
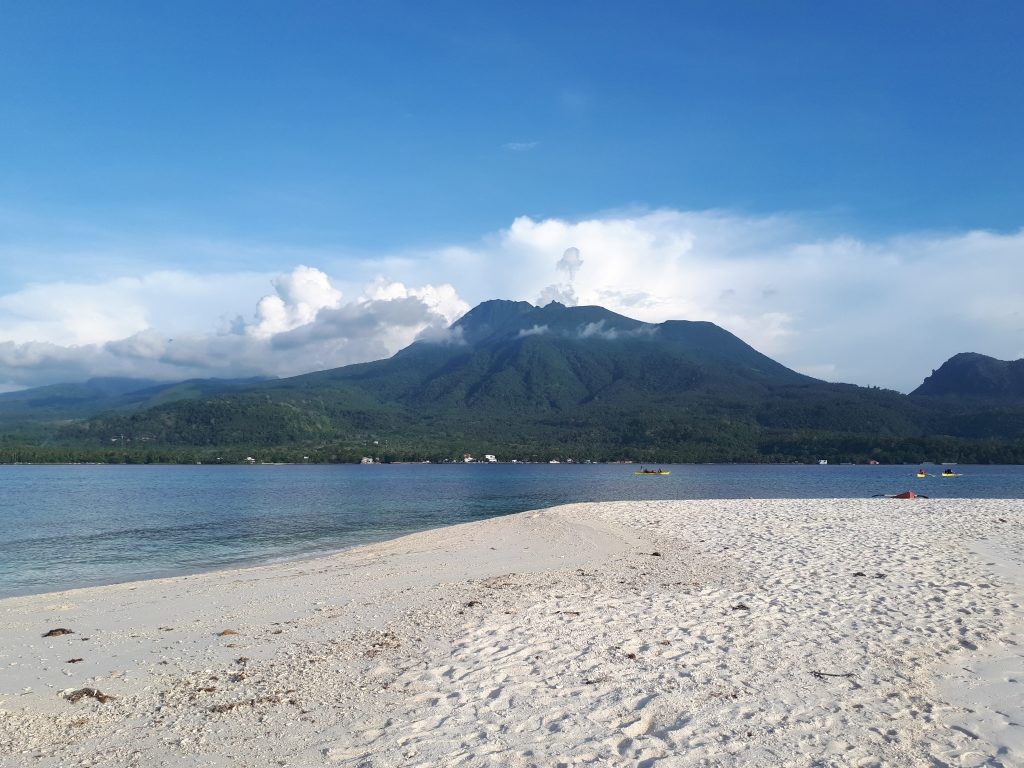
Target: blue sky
(236, 142)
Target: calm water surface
(73, 526)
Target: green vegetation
(526, 383)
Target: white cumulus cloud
(882, 310)
(304, 325)
(298, 299)
(872, 311)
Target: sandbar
(810, 632)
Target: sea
(69, 526)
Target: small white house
(490, 458)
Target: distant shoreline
(484, 463)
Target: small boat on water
(951, 473)
(922, 473)
(653, 472)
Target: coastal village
(488, 458)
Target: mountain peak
(499, 319)
(491, 317)
(973, 375)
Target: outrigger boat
(653, 472)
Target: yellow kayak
(652, 472)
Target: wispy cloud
(521, 146)
(563, 293)
(599, 330)
(536, 330)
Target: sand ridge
(676, 633)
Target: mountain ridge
(557, 380)
(976, 376)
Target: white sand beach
(873, 632)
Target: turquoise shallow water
(74, 526)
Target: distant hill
(67, 399)
(977, 377)
(975, 396)
(536, 383)
(57, 402)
